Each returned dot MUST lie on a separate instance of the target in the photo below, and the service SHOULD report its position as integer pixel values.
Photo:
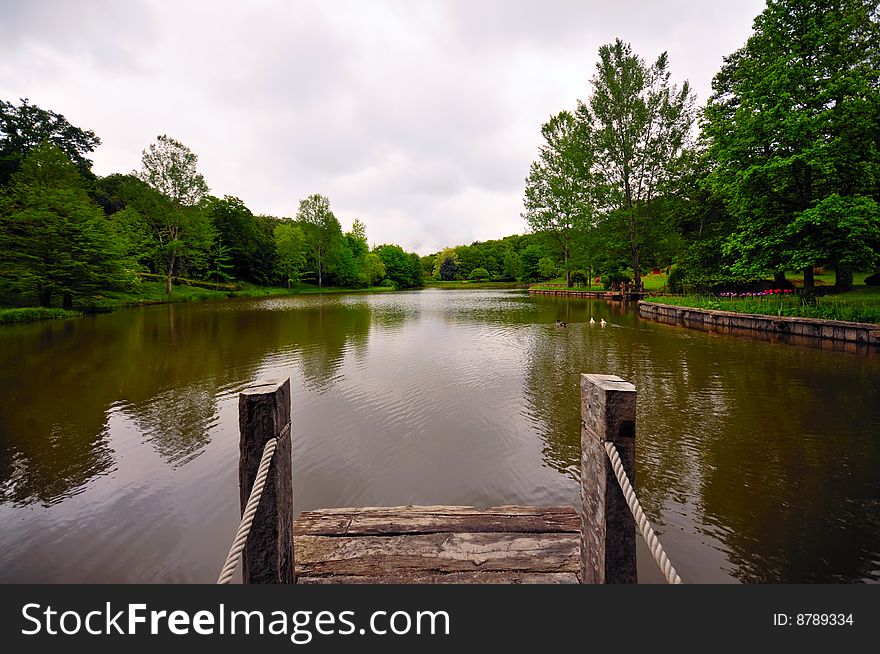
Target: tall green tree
(794, 132)
(373, 270)
(244, 236)
(171, 168)
(322, 230)
(290, 244)
(640, 124)
(26, 126)
(53, 239)
(557, 196)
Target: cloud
(420, 118)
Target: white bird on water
(592, 321)
(603, 323)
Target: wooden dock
(618, 296)
(438, 545)
(435, 544)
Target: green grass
(862, 304)
(32, 314)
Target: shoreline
(808, 330)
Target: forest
(69, 237)
(778, 173)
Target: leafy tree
(547, 269)
(220, 262)
(479, 274)
(402, 268)
(528, 263)
(639, 127)
(449, 269)
(793, 131)
(557, 198)
(169, 167)
(53, 239)
(25, 127)
(290, 244)
(373, 269)
(322, 230)
(243, 236)
(446, 266)
(510, 265)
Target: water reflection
(757, 461)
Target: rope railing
(640, 518)
(250, 509)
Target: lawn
(862, 304)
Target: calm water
(118, 434)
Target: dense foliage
(785, 174)
(67, 236)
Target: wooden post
(263, 412)
(608, 531)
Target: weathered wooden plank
(437, 553)
(450, 578)
(436, 519)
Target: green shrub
(388, 283)
(579, 278)
(676, 280)
(479, 274)
(614, 276)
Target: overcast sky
(419, 118)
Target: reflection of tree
(163, 366)
(322, 334)
(770, 447)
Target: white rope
(639, 515)
(250, 509)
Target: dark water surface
(757, 462)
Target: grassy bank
(32, 314)
(147, 293)
(862, 304)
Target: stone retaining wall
(858, 333)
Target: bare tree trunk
(809, 280)
(779, 278)
(45, 297)
(67, 301)
(843, 277)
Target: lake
(756, 461)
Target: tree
(403, 268)
(290, 244)
(639, 126)
(25, 127)
(528, 263)
(479, 274)
(446, 266)
(53, 239)
(557, 198)
(547, 269)
(373, 269)
(321, 228)
(250, 243)
(794, 137)
(220, 262)
(169, 167)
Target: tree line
(779, 171)
(67, 235)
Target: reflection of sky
(433, 397)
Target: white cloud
(420, 118)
